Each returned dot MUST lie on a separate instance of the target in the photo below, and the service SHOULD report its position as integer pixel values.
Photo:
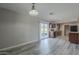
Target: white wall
(17, 29)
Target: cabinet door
(73, 38)
(78, 38)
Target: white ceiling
(61, 11)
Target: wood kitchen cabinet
(74, 38)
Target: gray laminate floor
(53, 46)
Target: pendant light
(33, 12)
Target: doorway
(66, 30)
(43, 30)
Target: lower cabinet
(74, 38)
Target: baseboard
(8, 48)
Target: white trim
(4, 49)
